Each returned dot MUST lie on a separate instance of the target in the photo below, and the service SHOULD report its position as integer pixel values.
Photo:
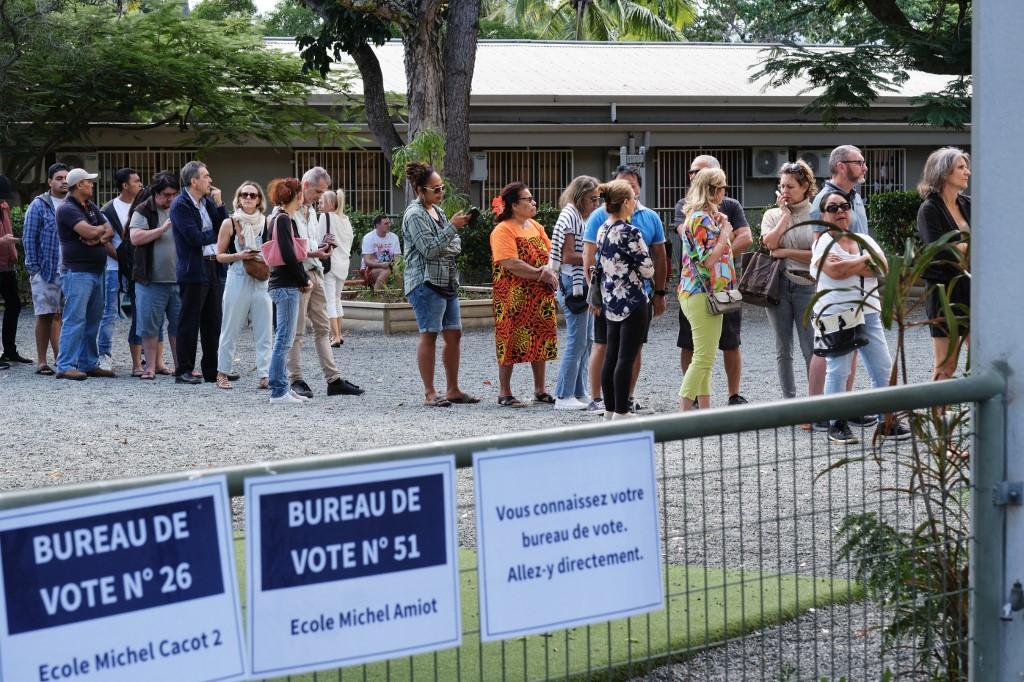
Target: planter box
(392, 318)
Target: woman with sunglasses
(431, 277)
(796, 286)
(245, 298)
(846, 267)
(524, 293)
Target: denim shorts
(156, 301)
(47, 297)
(433, 311)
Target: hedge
(893, 217)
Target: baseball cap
(76, 175)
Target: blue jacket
(39, 237)
(190, 238)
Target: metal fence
(785, 556)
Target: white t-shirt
(385, 248)
(844, 294)
(121, 208)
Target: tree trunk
(459, 61)
(424, 75)
(378, 117)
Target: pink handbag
(272, 252)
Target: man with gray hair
(729, 343)
(313, 303)
(196, 216)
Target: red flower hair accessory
(498, 205)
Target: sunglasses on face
(436, 190)
(836, 208)
(248, 195)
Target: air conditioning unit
(90, 161)
(817, 159)
(478, 167)
(767, 161)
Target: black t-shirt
(75, 255)
(732, 209)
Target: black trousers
(12, 308)
(625, 339)
(200, 319)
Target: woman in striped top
(577, 202)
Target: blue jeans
(434, 313)
(287, 302)
(111, 280)
(83, 310)
(573, 377)
(875, 357)
(153, 303)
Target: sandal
(264, 383)
(138, 373)
(147, 376)
(510, 401)
(164, 371)
(223, 381)
(545, 398)
(437, 401)
(464, 399)
(45, 370)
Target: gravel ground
(749, 501)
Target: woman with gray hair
(577, 202)
(947, 209)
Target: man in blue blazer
(196, 216)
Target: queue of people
(198, 272)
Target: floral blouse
(700, 239)
(627, 262)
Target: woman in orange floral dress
(524, 293)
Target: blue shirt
(858, 217)
(644, 219)
(42, 247)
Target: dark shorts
(961, 301)
(601, 329)
(730, 339)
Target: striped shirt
(569, 222)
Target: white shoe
(569, 404)
(300, 398)
(287, 399)
(106, 362)
(609, 415)
(625, 415)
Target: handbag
(575, 304)
(719, 302)
(326, 262)
(272, 251)
(759, 283)
(257, 269)
(841, 332)
(593, 293)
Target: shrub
(894, 219)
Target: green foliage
(427, 146)
(497, 29)
(769, 21)
(606, 20)
(894, 219)
(212, 80)
(17, 226)
(290, 18)
(219, 10)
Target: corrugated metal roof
(548, 71)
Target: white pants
(334, 283)
(245, 298)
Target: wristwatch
(659, 292)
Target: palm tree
(605, 20)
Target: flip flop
(464, 399)
(164, 371)
(510, 401)
(146, 376)
(138, 373)
(545, 398)
(45, 370)
(437, 401)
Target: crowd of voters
(200, 268)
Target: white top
(843, 294)
(305, 220)
(385, 248)
(341, 228)
(121, 208)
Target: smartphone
(474, 214)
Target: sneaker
(15, 357)
(301, 398)
(595, 407)
(287, 399)
(301, 388)
(569, 404)
(102, 373)
(625, 415)
(840, 433)
(896, 432)
(106, 362)
(823, 425)
(636, 407)
(737, 399)
(343, 387)
(864, 422)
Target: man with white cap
(83, 231)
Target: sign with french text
(131, 585)
(567, 534)
(351, 565)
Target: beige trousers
(313, 305)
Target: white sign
(133, 585)
(567, 533)
(351, 565)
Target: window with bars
(145, 162)
(673, 182)
(886, 170)
(546, 172)
(364, 175)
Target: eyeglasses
(436, 190)
(693, 171)
(530, 199)
(596, 200)
(248, 195)
(856, 162)
(836, 208)
(168, 194)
